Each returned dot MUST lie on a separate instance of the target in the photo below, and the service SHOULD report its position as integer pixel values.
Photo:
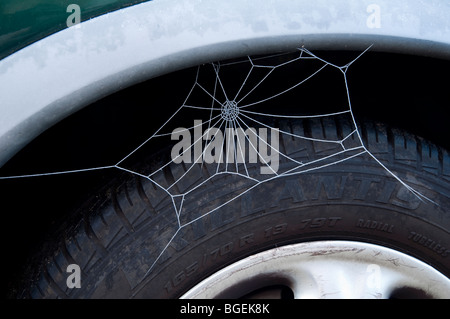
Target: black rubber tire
(121, 235)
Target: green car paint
(23, 22)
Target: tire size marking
(319, 222)
(181, 276)
(218, 252)
(275, 230)
(224, 250)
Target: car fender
(58, 75)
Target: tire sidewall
(355, 201)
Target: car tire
(129, 243)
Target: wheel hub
(328, 269)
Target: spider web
(234, 136)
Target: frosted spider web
(235, 108)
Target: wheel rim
(328, 269)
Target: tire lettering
(276, 230)
(365, 186)
(319, 222)
(374, 225)
(221, 251)
(246, 240)
(332, 186)
(429, 243)
(181, 276)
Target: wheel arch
(53, 78)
